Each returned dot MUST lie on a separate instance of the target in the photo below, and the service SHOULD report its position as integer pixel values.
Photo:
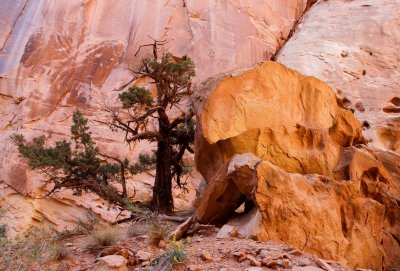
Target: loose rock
(206, 256)
(143, 256)
(227, 231)
(324, 265)
(253, 261)
(111, 263)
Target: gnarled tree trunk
(162, 191)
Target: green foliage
(80, 130)
(3, 227)
(171, 77)
(81, 169)
(177, 73)
(3, 231)
(135, 96)
(146, 163)
(158, 232)
(174, 255)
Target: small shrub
(103, 237)
(157, 232)
(3, 231)
(175, 255)
(59, 252)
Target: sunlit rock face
(60, 55)
(354, 47)
(276, 113)
(283, 141)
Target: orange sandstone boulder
(281, 140)
(278, 114)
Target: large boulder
(283, 141)
(278, 114)
(353, 221)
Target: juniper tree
(78, 164)
(174, 134)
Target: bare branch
(149, 135)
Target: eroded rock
(276, 113)
(315, 185)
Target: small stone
(206, 256)
(286, 264)
(143, 256)
(225, 251)
(241, 256)
(227, 231)
(267, 260)
(199, 239)
(324, 265)
(253, 261)
(111, 262)
(193, 268)
(146, 263)
(344, 54)
(161, 244)
(305, 262)
(296, 253)
(264, 253)
(272, 264)
(70, 245)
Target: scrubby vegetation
(29, 250)
(175, 254)
(158, 231)
(103, 237)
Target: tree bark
(162, 191)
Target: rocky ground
(208, 249)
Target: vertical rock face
(281, 139)
(354, 47)
(56, 56)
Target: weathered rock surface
(56, 56)
(111, 263)
(276, 113)
(316, 187)
(354, 47)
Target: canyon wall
(60, 55)
(354, 47)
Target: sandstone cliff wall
(56, 56)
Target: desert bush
(157, 232)
(82, 227)
(59, 252)
(3, 231)
(173, 256)
(103, 237)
